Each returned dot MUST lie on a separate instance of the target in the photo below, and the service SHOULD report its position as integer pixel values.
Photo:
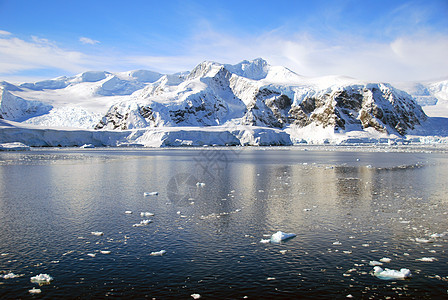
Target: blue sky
(372, 40)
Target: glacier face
(235, 98)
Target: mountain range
(250, 103)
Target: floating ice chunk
(195, 296)
(128, 212)
(283, 251)
(41, 278)
(86, 146)
(158, 253)
(337, 243)
(427, 259)
(35, 291)
(349, 296)
(104, 251)
(281, 236)
(419, 240)
(265, 241)
(200, 184)
(437, 235)
(385, 260)
(91, 254)
(10, 275)
(151, 194)
(97, 233)
(388, 274)
(142, 223)
(270, 278)
(146, 214)
(375, 263)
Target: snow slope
(251, 103)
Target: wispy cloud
(3, 32)
(88, 41)
(18, 55)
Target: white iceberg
(375, 263)
(142, 223)
(104, 251)
(150, 194)
(97, 233)
(388, 274)
(10, 275)
(385, 260)
(16, 146)
(195, 296)
(41, 278)
(281, 236)
(419, 240)
(87, 146)
(146, 214)
(265, 241)
(427, 259)
(35, 291)
(158, 253)
(128, 212)
(91, 254)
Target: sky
(376, 40)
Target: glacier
(247, 104)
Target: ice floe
(265, 241)
(385, 260)
(41, 278)
(419, 240)
(128, 212)
(104, 251)
(427, 259)
(14, 147)
(142, 223)
(10, 275)
(281, 236)
(35, 291)
(151, 194)
(195, 296)
(388, 274)
(91, 254)
(87, 146)
(146, 214)
(375, 263)
(97, 233)
(158, 253)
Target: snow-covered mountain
(250, 100)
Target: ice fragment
(281, 236)
(388, 274)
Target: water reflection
(346, 209)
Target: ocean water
(347, 207)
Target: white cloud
(88, 41)
(17, 55)
(3, 32)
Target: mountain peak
(254, 69)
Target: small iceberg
(35, 291)
(375, 263)
(10, 275)
(388, 274)
(87, 146)
(104, 251)
(97, 233)
(146, 214)
(14, 147)
(427, 259)
(385, 260)
(419, 240)
(151, 194)
(279, 236)
(41, 279)
(158, 253)
(91, 254)
(195, 296)
(128, 212)
(142, 223)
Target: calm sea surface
(347, 208)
